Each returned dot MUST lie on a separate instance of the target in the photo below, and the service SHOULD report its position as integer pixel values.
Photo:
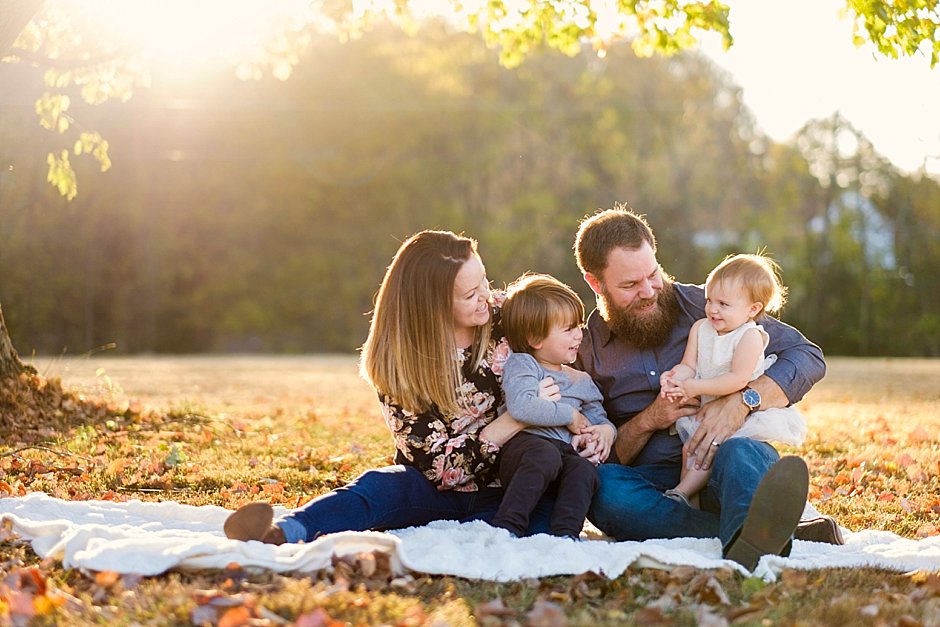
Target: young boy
(542, 319)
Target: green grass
(228, 430)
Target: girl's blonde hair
(535, 303)
(758, 275)
(410, 354)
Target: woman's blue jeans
(395, 497)
(629, 505)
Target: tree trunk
(10, 364)
(14, 15)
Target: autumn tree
(79, 62)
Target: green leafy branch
(51, 109)
(902, 27)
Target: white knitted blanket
(151, 538)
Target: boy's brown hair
(535, 303)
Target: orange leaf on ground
(21, 604)
(45, 604)
(6, 531)
(546, 614)
(927, 530)
(857, 474)
(235, 617)
(496, 607)
(106, 578)
(919, 435)
(316, 618)
(916, 473)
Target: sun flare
(188, 35)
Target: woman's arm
(501, 430)
(521, 381)
(447, 449)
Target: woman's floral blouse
(447, 448)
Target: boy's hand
(602, 437)
(578, 423)
(584, 444)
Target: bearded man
(754, 500)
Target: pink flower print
(455, 443)
(437, 466)
(469, 486)
(480, 403)
(488, 448)
(452, 477)
(499, 356)
(435, 441)
(394, 422)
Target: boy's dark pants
(529, 465)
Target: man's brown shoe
(773, 514)
(823, 529)
(253, 522)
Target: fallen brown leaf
(546, 614)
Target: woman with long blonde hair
(435, 358)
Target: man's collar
(599, 328)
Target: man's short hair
(605, 230)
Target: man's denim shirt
(629, 378)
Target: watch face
(751, 398)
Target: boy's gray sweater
(521, 376)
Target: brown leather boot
(773, 514)
(823, 529)
(253, 522)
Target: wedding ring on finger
(716, 443)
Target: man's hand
(663, 413)
(725, 415)
(633, 435)
(718, 420)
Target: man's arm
(799, 366)
(633, 435)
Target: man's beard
(646, 331)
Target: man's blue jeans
(395, 497)
(629, 505)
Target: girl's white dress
(784, 425)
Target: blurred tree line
(260, 216)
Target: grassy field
(228, 430)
